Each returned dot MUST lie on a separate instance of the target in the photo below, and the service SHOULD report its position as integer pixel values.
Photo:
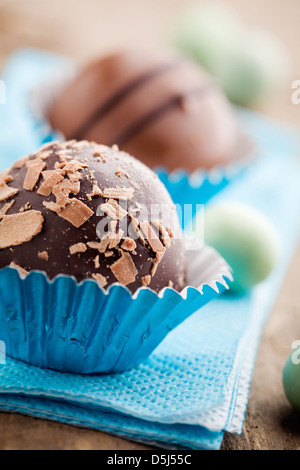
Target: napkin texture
(195, 385)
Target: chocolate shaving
(34, 170)
(171, 233)
(105, 241)
(136, 209)
(68, 186)
(113, 225)
(26, 207)
(151, 237)
(100, 153)
(128, 244)
(93, 245)
(146, 280)
(115, 239)
(50, 145)
(6, 192)
(81, 144)
(59, 166)
(96, 191)
(21, 162)
(159, 257)
(47, 173)
(135, 226)
(100, 148)
(110, 240)
(5, 177)
(78, 248)
(52, 206)
(19, 228)
(76, 212)
(62, 196)
(100, 279)
(23, 273)
(74, 176)
(135, 223)
(113, 210)
(6, 208)
(43, 155)
(120, 173)
(108, 254)
(70, 143)
(71, 169)
(73, 166)
(97, 262)
(124, 269)
(133, 183)
(164, 234)
(47, 186)
(122, 194)
(65, 154)
(43, 255)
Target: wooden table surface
(84, 29)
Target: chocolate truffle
(163, 109)
(92, 212)
(246, 239)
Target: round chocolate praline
(66, 241)
(162, 108)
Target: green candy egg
(207, 34)
(255, 68)
(249, 64)
(291, 379)
(245, 238)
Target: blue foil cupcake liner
(80, 328)
(197, 188)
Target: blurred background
(86, 29)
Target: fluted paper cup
(81, 328)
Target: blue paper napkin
(196, 383)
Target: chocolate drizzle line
(156, 114)
(122, 94)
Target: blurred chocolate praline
(56, 195)
(162, 108)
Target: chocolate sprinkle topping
(76, 221)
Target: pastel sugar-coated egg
(245, 238)
(291, 379)
(207, 33)
(248, 63)
(255, 67)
